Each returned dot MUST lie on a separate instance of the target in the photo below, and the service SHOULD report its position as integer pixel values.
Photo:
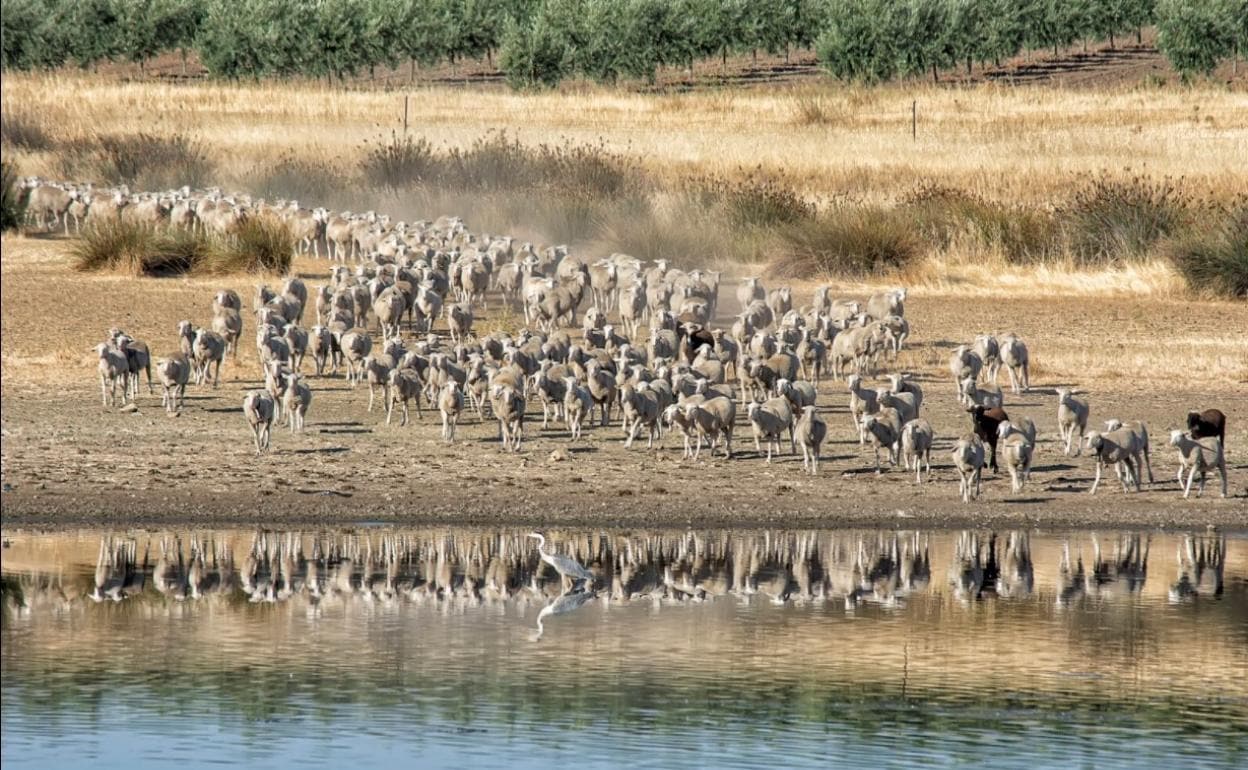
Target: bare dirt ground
(68, 461)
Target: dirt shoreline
(801, 509)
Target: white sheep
(1072, 416)
(917, 437)
(1198, 454)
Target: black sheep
(1210, 422)
(985, 422)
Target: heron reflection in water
(562, 604)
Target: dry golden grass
(1007, 143)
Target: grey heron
(566, 566)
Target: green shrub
(12, 207)
(1214, 260)
(851, 242)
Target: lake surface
(438, 648)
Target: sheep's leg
(1096, 482)
(632, 434)
(1222, 471)
(1187, 489)
(404, 421)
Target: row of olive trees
(541, 42)
(875, 40)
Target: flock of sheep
(582, 355)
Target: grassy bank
(808, 182)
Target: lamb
(355, 345)
(602, 387)
(207, 352)
(887, 303)
(402, 385)
(229, 324)
(389, 307)
(1141, 442)
(750, 290)
(917, 437)
(296, 401)
(297, 341)
(321, 345)
(800, 393)
(968, 458)
(770, 419)
(712, 418)
(780, 301)
(964, 363)
(1199, 454)
(973, 395)
(641, 407)
(1014, 356)
(1211, 422)
(632, 308)
(810, 432)
(903, 384)
(989, 352)
(113, 367)
(884, 427)
(186, 337)
(578, 404)
(905, 403)
(899, 330)
(377, 370)
(173, 371)
(862, 402)
(459, 320)
(450, 404)
(508, 405)
(258, 409)
(137, 358)
(1017, 449)
(1120, 447)
(1072, 415)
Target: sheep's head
(1176, 436)
(1114, 424)
(1095, 441)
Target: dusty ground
(66, 460)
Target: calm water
(382, 648)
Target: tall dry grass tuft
(131, 249)
(259, 245)
(1112, 220)
(844, 241)
(22, 130)
(1214, 259)
(142, 160)
(309, 180)
(12, 207)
